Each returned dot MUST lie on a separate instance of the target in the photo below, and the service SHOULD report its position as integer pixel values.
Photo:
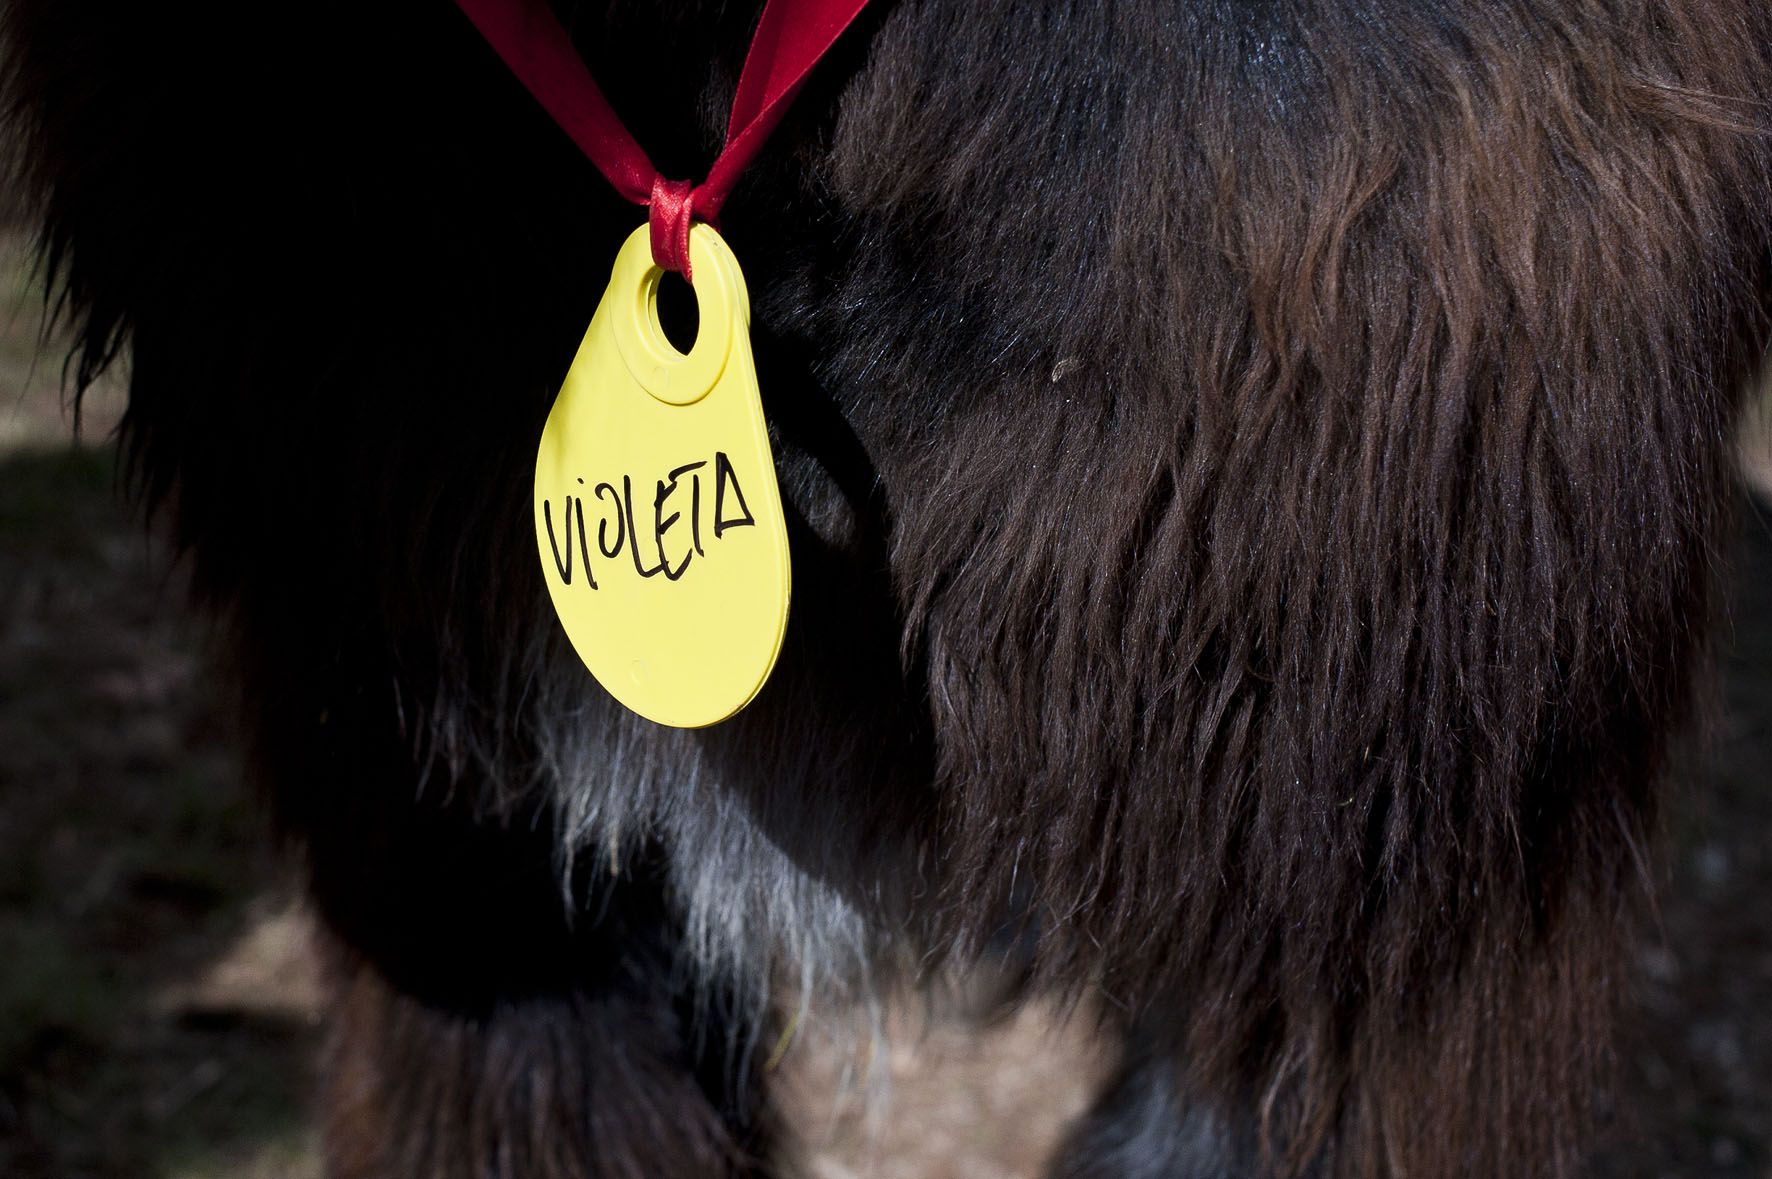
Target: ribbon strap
(791, 37)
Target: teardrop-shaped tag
(656, 506)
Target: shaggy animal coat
(1254, 470)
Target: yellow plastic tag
(656, 507)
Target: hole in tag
(680, 368)
(679, 315)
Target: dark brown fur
(1255, 469)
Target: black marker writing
(725, 477)
(617, 517)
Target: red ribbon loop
(669, 211)
(791, 37)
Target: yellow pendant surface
(656, 507)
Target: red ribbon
(791, 37)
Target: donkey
(1252, 467)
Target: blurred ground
(134, 870)
(157, 1004)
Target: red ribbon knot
(670, 210)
